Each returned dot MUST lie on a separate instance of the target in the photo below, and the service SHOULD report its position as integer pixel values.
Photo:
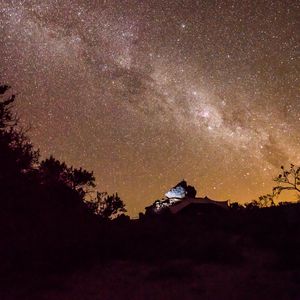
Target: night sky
(146, 93)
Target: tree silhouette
(81, 180)
(17, 156)
(53, 173)
(266, 200)
(288, 179)
(236, 206)
(7, 119)
(107, 206)
(191, 191)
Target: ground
(254, 278)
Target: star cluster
(146, 93)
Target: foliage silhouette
(266, 200)
(288, 179)
(191, 191)
(107, 206)
(236, 206)
(54, 172)
(43, 205)
(17, 156)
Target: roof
(187, 201)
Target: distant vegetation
(287, 180)
(21, 169)
(43, 204)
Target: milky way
(146, 93)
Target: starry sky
(146, 93)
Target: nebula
(146, 93)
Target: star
(148, 93)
